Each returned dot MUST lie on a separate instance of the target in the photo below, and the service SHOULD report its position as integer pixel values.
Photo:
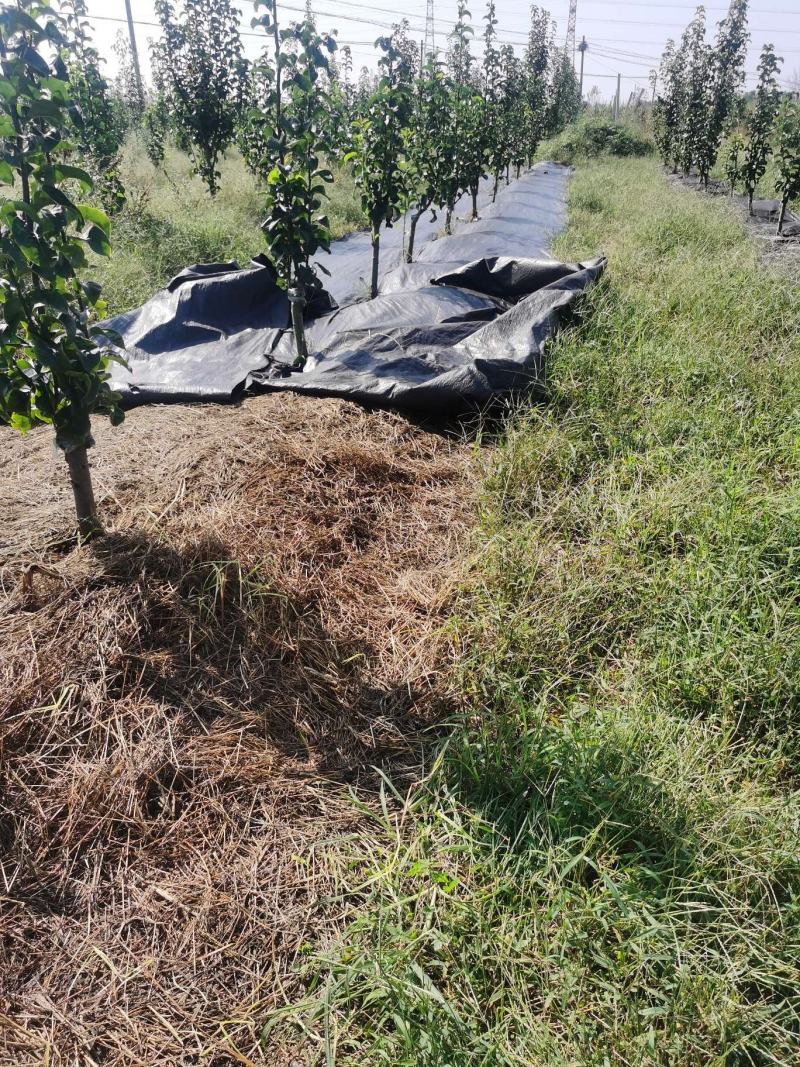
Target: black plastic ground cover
(463, 325)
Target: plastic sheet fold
(464, 324)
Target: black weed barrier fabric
(463, 325)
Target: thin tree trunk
(750, 194)
(81, 478)
(496, 183)
(448, 219)
(519, 168)
(474, 193)
(376, 253)
(412, 229)
(784, 204)
(297, 305)
(508, 174)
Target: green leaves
(787, 153)
(377, 139)
(64, 171)
(284, 141)
(53, 366)
(98, 241)
(98, 217)
(759, 127)
(200, 72)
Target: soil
(188, 701)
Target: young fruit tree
(427, 149)
(198, 66)
(101, 124)
(787, 155)
(495, 127)
(377, 143)
(468, 117)
(128, 88)
(668, 107)
(759, 126)
(726, 70)
(564, 96)
(733, 161)
(53, 360)
(295, 102)
(697, 66)
(514, 111)
(536, 64)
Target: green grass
(597, 134)
(601, 866)
(170, 222)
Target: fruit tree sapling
(726, 70)
(53, 360)
(377, 144)
(759, 126)
(428, 150)
(198, 67)
(787, 155)
(295, 102)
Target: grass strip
(601, 866)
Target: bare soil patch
(187, 701)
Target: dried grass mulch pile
(186, 701)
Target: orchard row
(701, 106)
(418, 134)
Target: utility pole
(582, 47)
(134, 51)
(616, 98)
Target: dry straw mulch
(187, 702)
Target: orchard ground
(358, 744)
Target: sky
(624, 36)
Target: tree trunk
(297, 304)
(474, 193)
(519, 168)
(412, 229)
(448, 219)
(781, 220)
(750, 194)
(376, 254)
(496, 183)
(508, 174)
(81, 478)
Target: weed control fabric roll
(464, 324)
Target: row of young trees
(417, 136)
(701, 105)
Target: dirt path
(185, 702)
